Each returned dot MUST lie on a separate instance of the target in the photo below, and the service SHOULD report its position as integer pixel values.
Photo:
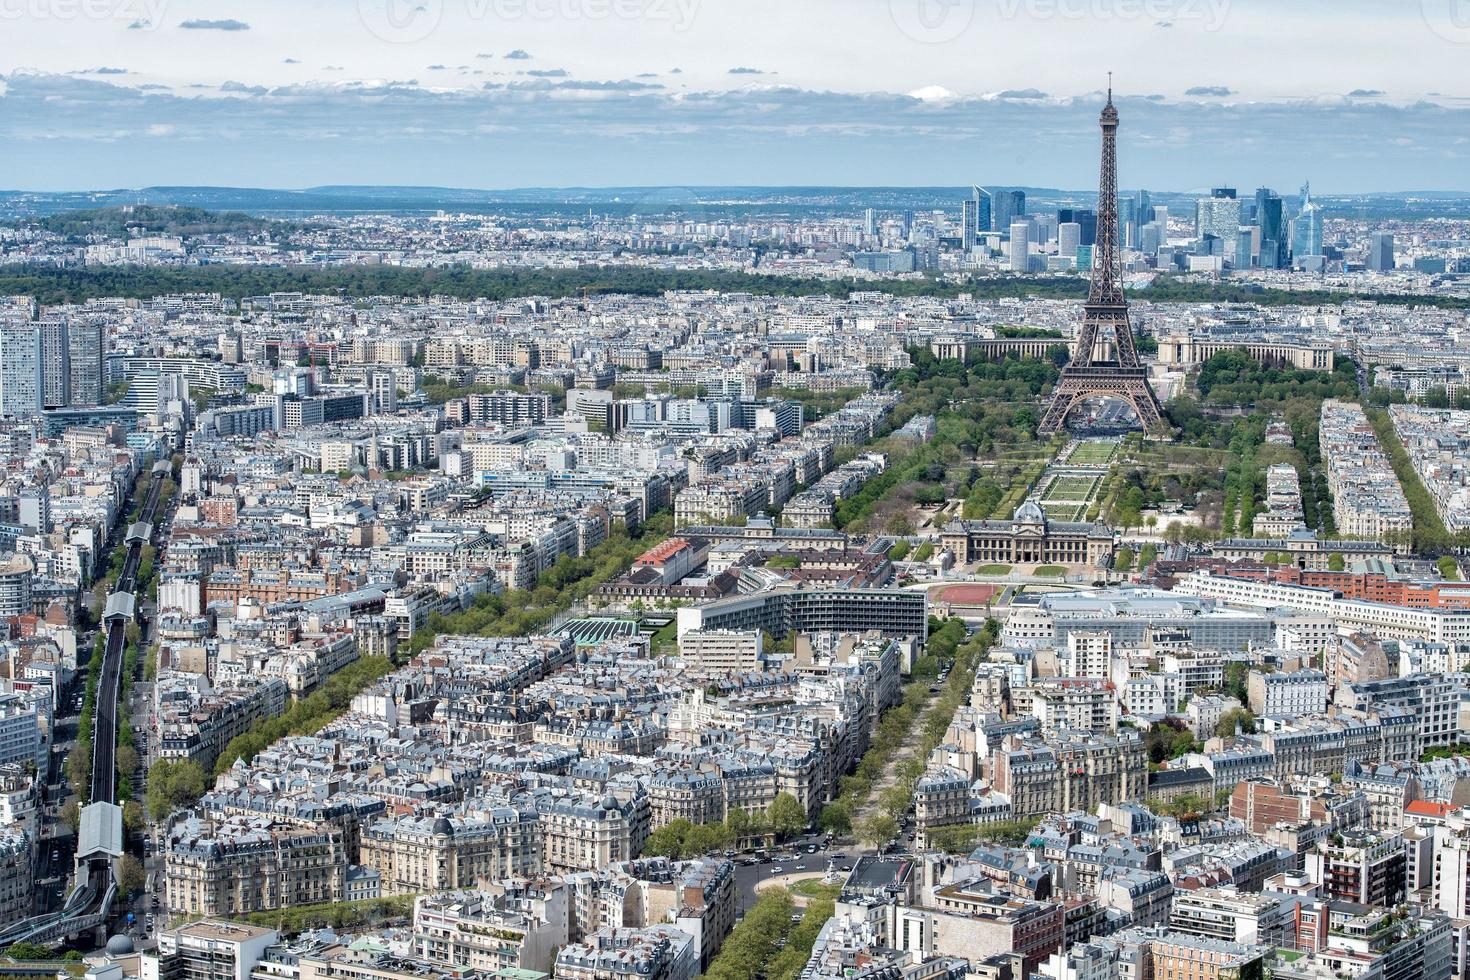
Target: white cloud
(541, 130)
(932, 93)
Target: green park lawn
(1093, 454)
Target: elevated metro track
(100, 841)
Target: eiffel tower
(1105, 316)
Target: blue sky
(1354, 95)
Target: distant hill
(712, 202)
(150, 219)
(697, 202)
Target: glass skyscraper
(1306, 227)
(1218, 217)
(1008, 206)
(1272, 222)
(974, 217)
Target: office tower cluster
(1023, 239)
(1258, 233)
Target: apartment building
(1287, 694)
(242, 865)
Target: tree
(836, 818)
(1449, 569)
(30, 951)
(133, 817)
(749, 948)
(173, 784)
(1169, 739)
(737, 824)
(877, 829)
(787, 815)
(1225, 727)
(127, 760)
(895, 801)
(130, 876)
(956, 838)
(1336, 563)
(1123, 560)
(79, 768)
(1235, 679)
(1184, 805)
(71, 815)
(705, 838)
(668, 840)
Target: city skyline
(506, 93)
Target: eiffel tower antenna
(1105, 314)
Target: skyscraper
(1008, 205)
(1244, 245)
(1069, 237)
(1380, 252)
(1218, 216)
(1020, 253)
(1143, 213)
(1127, 222)
(1086, 220)
(870, 222)
(85, 346)
(1306, 228)
(984, 209)
(1161, 217)
(1148, 238)
(20, 370)
(974, 217)
(55, 364)
(1270, 218)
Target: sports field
(967, 595)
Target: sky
(1355, 95)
